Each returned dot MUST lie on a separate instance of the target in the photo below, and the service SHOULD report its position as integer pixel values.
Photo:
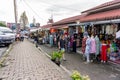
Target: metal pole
(15, 12)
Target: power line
(32, 9)
(60, 6)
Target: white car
(7, 36)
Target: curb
(65, 69)
(3, 57)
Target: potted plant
(59, 57)
(53, 56)
(77, 76)
(56, 57)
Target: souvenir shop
(108, 33)
(77, 31)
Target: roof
(60, 26)
(68, 20)
(103, 5)
(46, 26)
(112, 14)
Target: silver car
(6, 36)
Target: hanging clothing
(74, 46)
(93, 46)
(84, 44)
(85, 33)
(87, 49)
(97, 45)
(71, 41)
(108, 29)
(111, 30)
(51, 40)
(104, 52)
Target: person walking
(22, 35)
(51, 40)
(62, 46)
(36, 39)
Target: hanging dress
(93, 46)
(104, 52)
(83, 44)
(97, 45)
(87, 49)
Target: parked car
(6, 36)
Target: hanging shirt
(84, 44)
(93, 46)
(88, 45)
(97, 45)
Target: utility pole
(15, 13)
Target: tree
(2, 25)
(24, 20)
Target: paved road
(26, 62)
(96, 71)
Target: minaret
(34, 21)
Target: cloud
(44, 8)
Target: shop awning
(60, 26)
(108, 15)
(34, 30)
(48, 26)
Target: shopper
(62, 46)
(51, 40)
(22, 35)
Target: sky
(42, 10)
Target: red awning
(108, 15)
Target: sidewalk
(26, 62)
(96, 71)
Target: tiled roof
(60, 26)
(113, 14)
(103, 5)
(46, 26)
(68, 20)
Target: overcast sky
(43, 9)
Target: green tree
(2, 25)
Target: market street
(26, 62)
(96, 71)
